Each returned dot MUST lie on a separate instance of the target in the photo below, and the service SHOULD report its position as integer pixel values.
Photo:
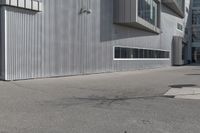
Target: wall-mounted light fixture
(85, 10)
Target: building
(196, 31)
(47, 38)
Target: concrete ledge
(184, 93)
(142, 25)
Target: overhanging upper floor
(178, 6)
(140, 14)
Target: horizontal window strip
(124, 53)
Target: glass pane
(148, 10)
(123, 52)
(141, 53)
(146, 53)
(128, 53)
(117, 52)
(135, 53)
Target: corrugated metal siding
(47, 43)
(59, 41)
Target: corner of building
(3, 44)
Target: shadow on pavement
(193, 74)
(182, 85)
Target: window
(148, 10)
(141, 55)
(195, 17)
(196, 25)
(196, 3)
(179, 26)
(196, 54)
(136, 53)
(196, 34)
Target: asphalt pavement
(123, 102)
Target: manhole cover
(184, 93)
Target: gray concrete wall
(59, 41)
(169, 22)
(177, 51)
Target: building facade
(47, 38)
(196, 31)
